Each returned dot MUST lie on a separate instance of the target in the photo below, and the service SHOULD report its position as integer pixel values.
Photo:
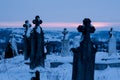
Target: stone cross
(27, 43)
(27, 26)
(84, 55)
(65, 32)
(37, 21)
(37, 45)
(65, 51)
(111, 32)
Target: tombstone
(65, 51)
(84, 55)
(37, 76)
(27, 46)
(8, 51)
(37, 73)
(37, 45)
(112, 44)
(11, 49)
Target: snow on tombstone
(37, 45)
(112, 44)
(76, 41)
(11, 49)
(26, 36)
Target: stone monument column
(27, 46)
(84, 55)
(112, 44)
(65, 51)
(37, 45)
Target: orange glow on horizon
(59, 24)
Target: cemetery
(42, 57)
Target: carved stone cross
(27, 24)
(27, 43)
(65, 32)
(84, 55)
(86, 29)
(37, 21)
(37, 45)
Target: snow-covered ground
(107, 74)
(15, 69)
(102, 57)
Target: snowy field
(15, 69)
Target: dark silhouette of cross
(84, 55)
(27, 24)
(37, 21)
(65, 32)
(110, 32)
(86, 29)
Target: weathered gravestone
(37, 76)
(11, 49)
(8, 51)
(37, 45)
(112, 44)
(84, 55)
(27, 46)
(65, 51)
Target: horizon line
(60, 24)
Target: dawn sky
(60, 12)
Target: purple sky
(60, 11)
